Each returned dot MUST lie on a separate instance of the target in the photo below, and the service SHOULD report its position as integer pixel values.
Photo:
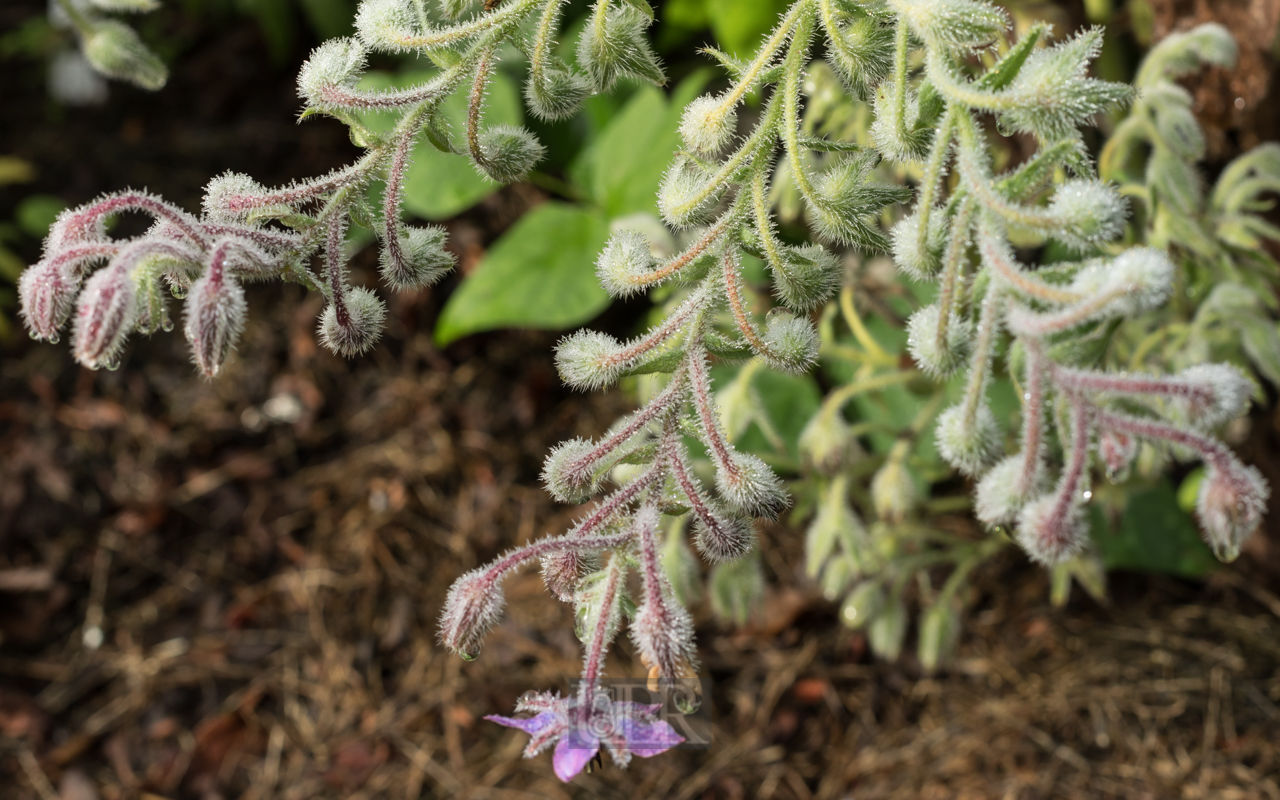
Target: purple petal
(646, 740)
(573, 753)
(530, 726)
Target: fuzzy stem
(952, 264)
(996, 254)
(931, 181)
(1032, 419)
(594, 660)
(984, 351)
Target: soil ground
(259, 561)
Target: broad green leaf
(538, 275)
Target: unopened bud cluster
(109, 288)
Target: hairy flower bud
(115, 50)
(472, 607)
(586, 360)
(1118, 451)
(422, 258)
(956, 25)
(47, 293)
(331, 72)
(1051, 534)
(849, 201)
(894, 491)
(1137, 280)
(792, 342)
(834, 524)
(920, 263)
(1229, 507)
(969, 448)
(108, 308)
(708, 125)
(939, 629)
(231, 196)
(1005, 489)
(623, 263)
(616, 46)
(938, 359)
(663, 632)
(1229, 388)
(807, 278)
(561, 572)
(683, 197)
(509, 153)
(888, 630)
(558, 95)
(863, 604)
(564, 473)
(723, 537)
(1090, 213)
(216, 311)
(827, 443)
(361, 328)
(749, 487)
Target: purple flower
(626, 729)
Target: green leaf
(739, 25)
(538, 275)
(1154, 535)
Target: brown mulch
(229, 589)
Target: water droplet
(167, 325)
(1088, 495)
(112, 365)
(54, 338)
(467, 656)
(180, 292)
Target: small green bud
(1004, 490)
(808, 276)
(509, 153)
(422, 258)
(708, 125)
(623, 263)
(362, 328)
(618, 47)
(969, 448)
(888, 630)
(894, 491)
(558, 95)
(115, 50)
(585, 360)
(920, 264)
(939, 629)
(792, 341)
(863, 604)
(922, 341)
(827, 443)
(333, 68)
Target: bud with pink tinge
(1230, 505)
(562, 571)
(471, 609)
(353, 325)
(47, 293)
(1053, 529)
(215, 317)
(108, 307)
(721, 537)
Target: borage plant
(248, 232)
(914, 63)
